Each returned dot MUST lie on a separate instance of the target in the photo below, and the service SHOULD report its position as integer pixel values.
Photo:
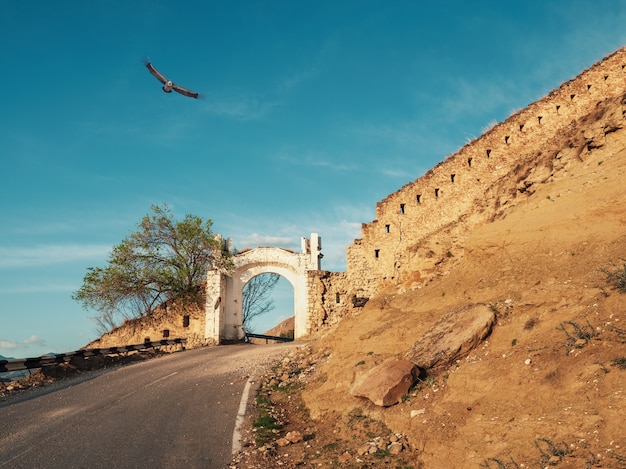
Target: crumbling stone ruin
(419, 230)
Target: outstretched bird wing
(159, 76)
(184, 91)
(179, 89)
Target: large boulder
(386, 383)
(452, 337)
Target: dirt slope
(531, 392)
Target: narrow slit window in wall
(376, 253)
(469, 162)
(418, 197)
(387, 228)
(402, 208)
(558, 106)
(506, 139)
(437, 192)
(488, 153)
(521, 127)
(606, 77)
(337, 298)
(186, 320)
(539, 118)
(452, 177)
(572, 96)
(588, 87)
(166, 333)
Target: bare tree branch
(257, 299)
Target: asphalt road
(175, 411)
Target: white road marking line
(241, 413)
(146, 386)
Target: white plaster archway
(224, 293)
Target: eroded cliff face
(535, 245)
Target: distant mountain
(12, 375)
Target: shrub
(619, 362)
(616, 278)
(548, 449)
(577, 332)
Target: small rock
(415, 413)
(386, 383)
(528, 361)
(294, 436)
(554, 460)
(395, 448)
(580, 343)
(363, 450)
(282, 442)
(345, 457)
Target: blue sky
(312, 112)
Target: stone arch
(224, 292)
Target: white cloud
(337, 230)
(240, 107)
(50, 254)
(406, 134)
(296, 79)
(14, 345)
(316, 160)
(8, 345)
(254, 240)
(398, 173)
(469, 97)
(34, 340)
(38, 288)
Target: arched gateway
(224, 292)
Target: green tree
(256, 298)
(163, 260)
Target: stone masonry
(419, 230)
(398, 249)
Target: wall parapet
(395, 249)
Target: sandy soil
(547, 387)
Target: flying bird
(169, 85)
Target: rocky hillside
(284, 329)
(548, 384)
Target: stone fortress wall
(419, 230)
(168, 321)
(395, 248)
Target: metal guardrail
(54, 359)
(250, 335)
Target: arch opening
(268, 303)
(224, 291)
